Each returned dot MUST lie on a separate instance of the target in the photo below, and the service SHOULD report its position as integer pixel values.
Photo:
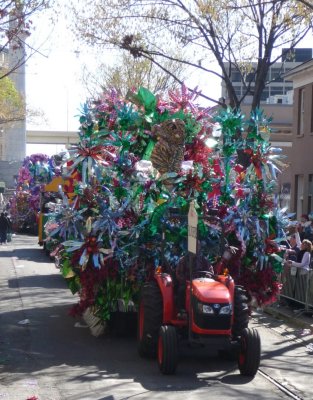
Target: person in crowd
(304, 227)
(294, 248)
(303, 259)
(10, 226)
(308, 230)
(4, 226)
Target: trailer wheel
(167, 350)
(250, 352)
(150, 316)
(241, 311)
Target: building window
(287, 70)
(250, 77)
(236, 75)
(237, 90)
(276, 90)
(284, 198)
(299, 186)
(265, 94)
(301, 111)
(276, 74)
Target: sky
(53, 79)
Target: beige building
(281, 137)
(278, 84)
(301, 156)
(287, 98)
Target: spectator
(293, 251)
(304, 227)
(4, 226)
(303, 260)
(10, 227)
(308, 230)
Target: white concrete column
(15, 133)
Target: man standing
(293, 251)
(4, 227)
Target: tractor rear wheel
(250, 352)
(167, 350)
(241, 311)
(150, 316)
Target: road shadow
(53, 339)
(34, 255)
(51, 281)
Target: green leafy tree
(236, 34)
(11, 102)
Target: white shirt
(306, 258)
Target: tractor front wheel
(167, 350)
(250, 352)
(241, 311)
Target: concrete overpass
(51, 137)
(281, 138)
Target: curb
(288, 316)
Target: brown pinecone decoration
(168, 153)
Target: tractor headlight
(214, 309)
(226, 310)
(205, 309)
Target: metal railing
(298, 287)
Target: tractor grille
(211, 321)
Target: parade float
(37, 170)
(139, 158)
(50, 200)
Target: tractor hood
(210, 291)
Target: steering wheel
(204, 274)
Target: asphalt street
(47, 355)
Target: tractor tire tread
(169, 338)
(153, 315)
(241, 311)
(252, 354)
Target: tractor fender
(165, 283)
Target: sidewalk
(294, 315)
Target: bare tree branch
(236, 33)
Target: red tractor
(217, 315)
